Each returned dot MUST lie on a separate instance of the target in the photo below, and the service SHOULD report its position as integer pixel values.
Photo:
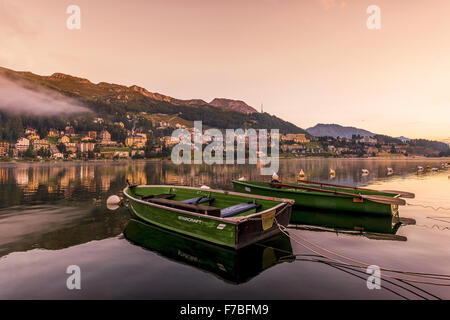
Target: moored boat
(329, 197)
(346, 221)
(225, 218)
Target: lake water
(54, 215)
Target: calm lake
(53, 215)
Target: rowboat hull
(318, 200)
(235, 232)
(346, 221)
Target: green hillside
(113, 102)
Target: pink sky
(308, 61)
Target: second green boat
(327, 198)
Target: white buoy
(275, 177)
(365, 172)
(390, 171)
(301, 174)
(204, 187)
(113, 202)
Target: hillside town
(157, 142)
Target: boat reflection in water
(370, 226)
(234, 266)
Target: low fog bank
(16, 98)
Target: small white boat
(434, 169)
(420, 169)
(365, 172)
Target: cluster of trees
(12, 126)
(445, 153)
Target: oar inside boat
(374, 198)
(403, 194)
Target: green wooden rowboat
(229, 265)
(225, 218)
(346, 221)
(327, 197)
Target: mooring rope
(355, 268)
(427, 207)
(315, 258)
(363, 264)
(366, 264)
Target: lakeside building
(92, 135)
(4, 149)
(137, 140)
(57, 155)
(121, 154)
(41, 144)
(69, 131)
(296, 137)
(53, 133)
(71, 147)
(33, 137)
(105, 135)
(86, 147)
(86, 139)
(29, 131)
(64, 139)
(368, 140)
(22, 144)
(294, 148)
(169, 141)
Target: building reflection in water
(75, 180)
(4, 175)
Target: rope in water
(355, 269)
(427, 207)
(314, 258)
(362, 264)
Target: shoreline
(13, 163)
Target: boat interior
(323, 187)
(223, 205)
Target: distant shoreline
(12, 163)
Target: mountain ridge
(114, 100)
(224, 103)
(336, 130)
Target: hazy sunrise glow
(308, 62)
